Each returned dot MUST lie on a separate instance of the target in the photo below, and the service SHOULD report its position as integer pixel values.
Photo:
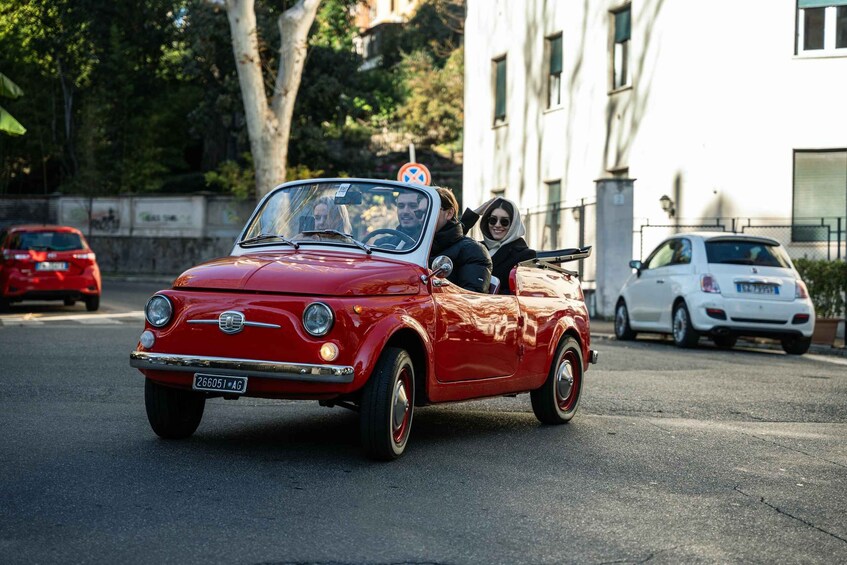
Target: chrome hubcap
(620, 318)
(680, 323)
(564, 380)
(400, 406)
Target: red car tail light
(800, 290)
(708, 283)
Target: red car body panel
(20, 277)
(471, 345)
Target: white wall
(719, 102)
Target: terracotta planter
(825, 329)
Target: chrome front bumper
(241, 367)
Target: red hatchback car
(325, 298)
(42, 262)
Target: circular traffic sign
(414, 173)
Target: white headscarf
(516, 228)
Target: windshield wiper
(266, 236)
(356, 242)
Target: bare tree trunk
(68, 98)
(269, 124)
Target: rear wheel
(557, 400)
(622, 329)
(173, 413)
(92, 303)
(725, 341)
(796, 345)
(4, 304)
(684, 334)
(387, 406)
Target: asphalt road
(675, 456)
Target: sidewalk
(605, 329)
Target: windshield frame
(417, 254)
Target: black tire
(92, 303)
(4, 304)
(684, 334)
(623, 331)
(557, 400)
(796, 345)
(390, 390)
(173, 413)
(725, 341)
(69, 301)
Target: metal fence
(562, 225)
(811, 238)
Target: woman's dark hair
(501, 204)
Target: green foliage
(434, 108)
(238, 179)
(827, 284)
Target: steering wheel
(392, 232)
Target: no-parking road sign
(414, 173)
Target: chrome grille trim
(242, 367)
(246, 323)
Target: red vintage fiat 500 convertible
(329, 295)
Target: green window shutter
(500, 89)
(556, 55)
(820, 3)
(623, 25)
(820, 189)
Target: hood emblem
(231, 322)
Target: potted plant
(827, 283)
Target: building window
(822, 26)
(554, 76)
(621, 24)
(820, 194)
(553, 220)
(499, 90)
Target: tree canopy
(144, 96)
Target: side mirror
(637, 265)
(442, 266)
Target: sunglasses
(492, 221)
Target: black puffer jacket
(507, 257)
(471, 263)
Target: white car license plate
(51, 266)
(752, 288)
(218, 383)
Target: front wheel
(387, 406)
(173, 413)
(557, 400)
(623, 331)
(796, 345)
(684, 334)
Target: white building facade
(732, 110)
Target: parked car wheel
(173, 413)
(556, 402)
(69, 301)
(684, 334)
(796, 345)
(725, 341)
(622, 329)
(4, 304)
(387, 406)
(92, 303)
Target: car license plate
(753, 288)
(218, 383)
(51, 266)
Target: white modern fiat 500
(720, 285)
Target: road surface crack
(789, 515)
(794, 449)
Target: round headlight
(318, 319)
(158, 311)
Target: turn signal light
(329, 351)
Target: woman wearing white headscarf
(502, 234)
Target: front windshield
(358, 214)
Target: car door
(476, 335)
(676, 277)
(648, 289)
